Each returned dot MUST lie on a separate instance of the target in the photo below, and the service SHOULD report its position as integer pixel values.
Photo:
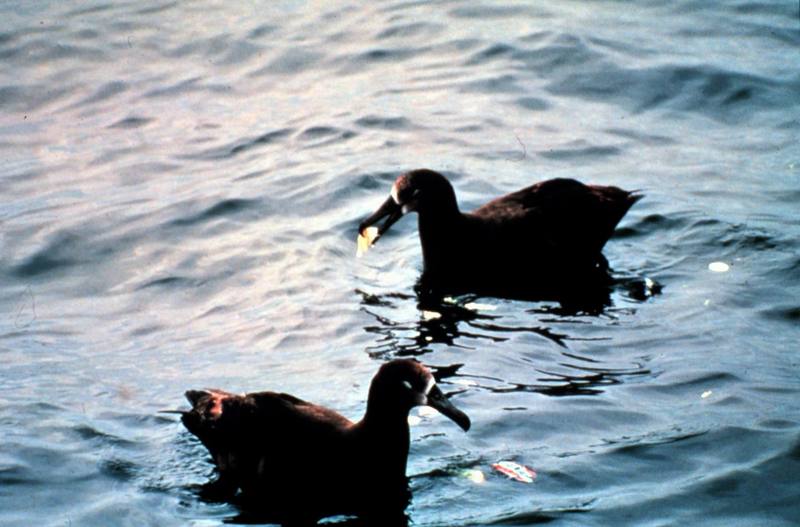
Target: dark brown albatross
(297, 460)
(540, 239)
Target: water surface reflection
(465, 322)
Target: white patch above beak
(428, 387)
(421, 398)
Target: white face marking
(408, 385)
(393, 193)
(422, 398)
(429, 386)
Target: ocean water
(181, 185)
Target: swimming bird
(542, 238)
(300, 460)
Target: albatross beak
(390, 209)
(437, 400)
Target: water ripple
(183, 183)
(243, 145)
(707, 90)
(228, 207)
(131, 122)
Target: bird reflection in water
(389, 518)
(458, 322)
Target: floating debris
(515, 471)
(474, 475)
(365, 240)
(706, 394)
(719, 267)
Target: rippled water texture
(181, 187)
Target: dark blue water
(181, 186)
